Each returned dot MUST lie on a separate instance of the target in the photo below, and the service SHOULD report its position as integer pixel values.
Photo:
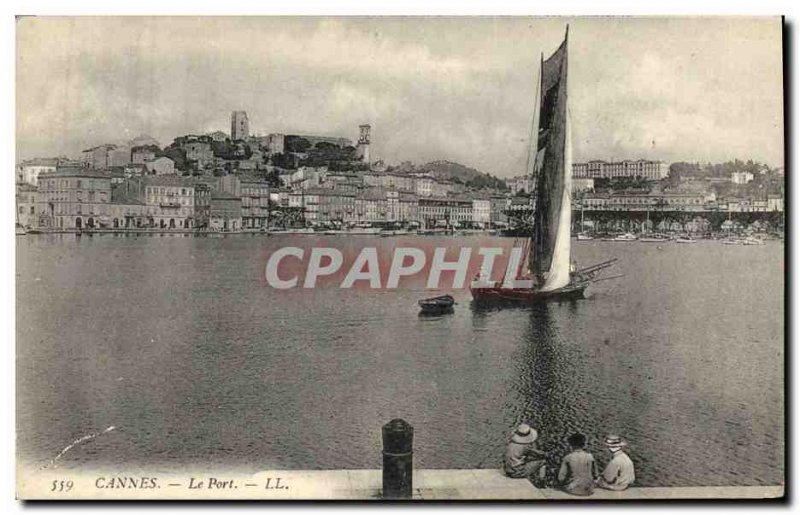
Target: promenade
(339, 485)
(484, 484)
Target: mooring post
(398, 438)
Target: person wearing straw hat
(523, 459)
(619, 473)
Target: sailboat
(545, 271)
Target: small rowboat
(437, 305)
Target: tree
(178, 155)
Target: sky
(457, 89)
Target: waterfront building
(29, 171)
(26, 199)
(225, 212)
(255, 195)
(73, 197)
(280, 196)
(445, 211)
(370, 205)
(481, 211)
(170, 201)
(644, 201)
(240, 126)
(333, 204)
(202, 203)
(160, 166)
(774, 203)
(651, 170)
(408, 207)
(500, 205)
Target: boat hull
(526, 295)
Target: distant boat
(625, 237)
(752, 240)
(437, 305)
(398, 232)
(653, 238)
(20, 230)
(364, 231)
(685, 240)
(582, 236)
(730, 241)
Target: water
(176, 343)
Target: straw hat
(614, 442)
(524, 434)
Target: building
(169, 201)
(160, 166)
(29, 171)
(370, 205)
(500, 206)
(74, 197)
(650, 170)
(774, 203)
(255, 195)
(99, 157)
(225, 212)
(217, 136)
(445, 211)
(741, 177)
(26, 199)
(197, 149)
(644, 201)
(582, 184)
(423, 185)
(334, 204)
(481, 212)
(142, 154)
(240, 127)
(522, 183)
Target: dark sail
(550, 165)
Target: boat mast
(530, 167)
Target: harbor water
(177, 343)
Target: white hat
(524, 434)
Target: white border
(340, 7)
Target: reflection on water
(175, 343)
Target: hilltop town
(241, 182)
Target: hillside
(456, 172)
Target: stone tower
(362, 150)
(240, 127)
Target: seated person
(619, 473)
(523, 459)
(578, 469)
